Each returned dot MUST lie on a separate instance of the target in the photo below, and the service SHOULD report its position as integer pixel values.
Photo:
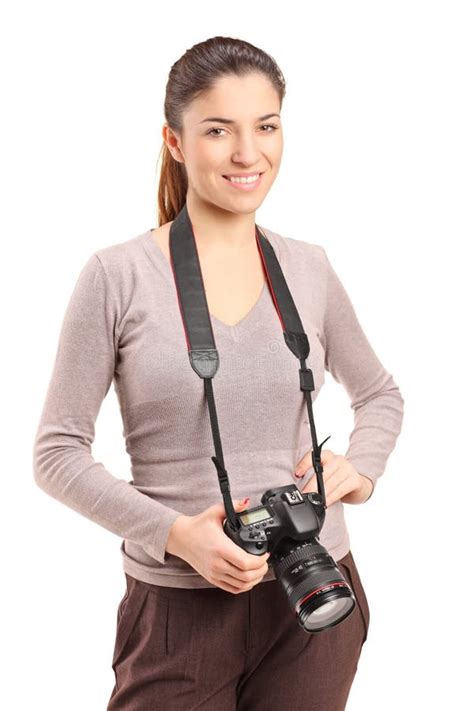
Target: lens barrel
(316, 588)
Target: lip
(243, 175)
(244, 186)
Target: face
(230, 130)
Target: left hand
(341, 479)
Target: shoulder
(119, 263)
(296, 251)
(116, 256)
(115, 270)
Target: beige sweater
(123, 325)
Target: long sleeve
(375, 398)
(82, 374)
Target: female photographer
(202, 623)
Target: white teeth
(250, 179)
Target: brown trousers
(208, 649)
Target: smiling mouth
(251, 175)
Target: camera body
(288, 525)
(286, 517)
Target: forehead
(236, 98)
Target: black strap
(203, 354)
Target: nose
(246, 149)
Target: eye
(271, 125)
(213, 129)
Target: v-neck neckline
(155, 251)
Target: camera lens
(316, 589)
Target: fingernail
(298, 473)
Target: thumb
(239, 506)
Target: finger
(331, 468)
(241, 564)
(241, 560)
(240, 582)
(303, 465)
(306, 463)
(244, 576)
(340, 489)
(310, 486)
(227, 587)
(326, 456)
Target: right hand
(203, 544)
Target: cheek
(209, 158)
(276, 146)
(276, 157)
(200, 161)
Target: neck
(218, 230)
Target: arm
(82, 374)
(375, 398)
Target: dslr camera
(287, 525)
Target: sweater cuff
(372, 480)
(157, 548)
(364, 464)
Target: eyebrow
(226, 120)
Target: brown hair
(195, 72)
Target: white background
(378, 168)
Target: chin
(245, 210)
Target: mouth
(243, 182)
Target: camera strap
(202, 351)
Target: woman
(202, 623)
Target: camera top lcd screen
(254, 516)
